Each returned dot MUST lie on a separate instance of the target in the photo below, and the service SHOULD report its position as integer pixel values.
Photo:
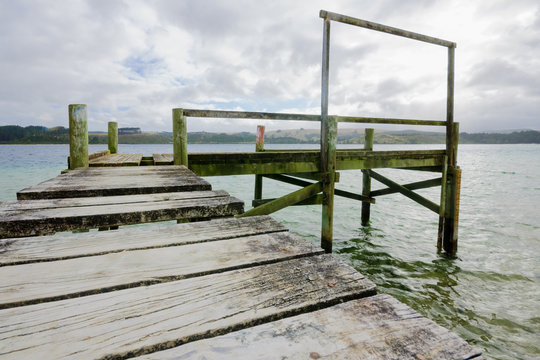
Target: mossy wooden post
(328, 147)
(78, 136)
(179, 137)
(366, 179)
(453, 185)
(450, 228)
(259, 146)
(113, 137)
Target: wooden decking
(227, 288)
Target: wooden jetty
(227, 288)
(316, 172)
(208, 280)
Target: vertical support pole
(259, 146)
(328, 147)
(366, 179)
(449, 223)
(450, 148)
(179, 137)
(442, 206)
(113, 137)
(453, 183)
(78, 136)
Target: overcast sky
(133, 61)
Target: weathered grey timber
(163, 159)
(113, 137)
(41, 217)
(127, 269)
(327, 15)
(134, 321)
(69, 246)
(86, 182)
(78, 136)
(117, 160)
(373, 328)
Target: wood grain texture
(16, 222)
(87, 182)
(91, 275)
(117, 160)
(135, 321)
(378, 327)
(163, 159)
(66, 245)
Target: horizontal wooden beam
(284, 201)
(353, 196)
(403, 190)
(373, 120)
(384, 28)
(262, 163)
(411, 186)
(314, 200)
(249, 115)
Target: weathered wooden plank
(31, 222)
(374, 120)
(132, 322)
(163, 159)
(85, 182)
(249, 115)
(10, 207)
(117, 160)
(270, 162)
(97, 154)
(327, 15)
(373, 328)
(67, 246)
(314, 200)
(284, 201)
(120, 270)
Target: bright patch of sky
(133, 61)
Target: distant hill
(13, 134)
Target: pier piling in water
(259, 147)
(366, 179)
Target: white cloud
(133, 61)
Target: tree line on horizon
(14, 134)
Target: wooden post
(179, 138)
(451, 215)
(113, 137)
(259, 146)
(328, 147)
(366, 179)
(78, 136)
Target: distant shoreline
(34, 135)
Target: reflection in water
(435, 290)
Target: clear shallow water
(489, 295)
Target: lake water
(489, 295)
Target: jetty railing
(297, 166)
